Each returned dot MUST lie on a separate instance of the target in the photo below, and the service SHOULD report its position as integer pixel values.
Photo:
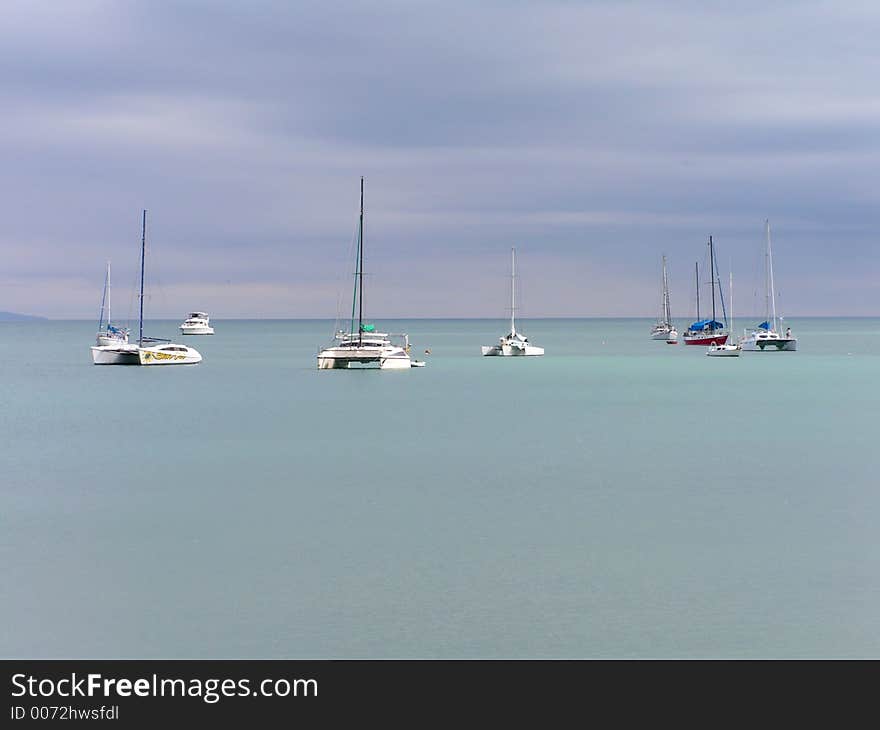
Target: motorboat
(196, 323)
(726, 349)
(513, 344)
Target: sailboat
(514, 343)
(108, 333)
(707, 331)
(765, 336)
(362, 346)
(726, 350)
(664, 329)
(148, 350)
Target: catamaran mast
(666, 315)
(143, 252)
(361, 269)
(512, 289)
(771, 293)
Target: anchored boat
(765, 337)
(664, 329)
(707, 331)
(513, 344)
(362, 346)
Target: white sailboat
(108, 333)
(664, 329)
(513, 344)
(148, 350)
(364, 347)
(726, 349)
(765, 337)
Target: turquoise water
(617, 498)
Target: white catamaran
(513, 344)
(765, 337)
(148, 350)
(362, 346)
(664, 329)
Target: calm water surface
(616, 498)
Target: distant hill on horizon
(16, 317)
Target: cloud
(595, 136)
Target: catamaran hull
(780, 345)
(114, 355)
(510, 351)
(158, 356)
(661, 335)
(364, 363)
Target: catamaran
(513, 344)
(108, 333)
(664, 329)
(362, 346)
(707, 331)
(148, 350)
(765, 336)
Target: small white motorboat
(725, 349)
(196, 323)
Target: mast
(361, 269)
(712, 277)
(104, 300)
(512, 289)
(697, 275)
(771, 293)
(730, 274)
(666, 315)
(143, 252)
(108, 292)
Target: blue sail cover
(764, 326)
(706, 324)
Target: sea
(616, 498)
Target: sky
(592, 136)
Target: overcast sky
(593, 136)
